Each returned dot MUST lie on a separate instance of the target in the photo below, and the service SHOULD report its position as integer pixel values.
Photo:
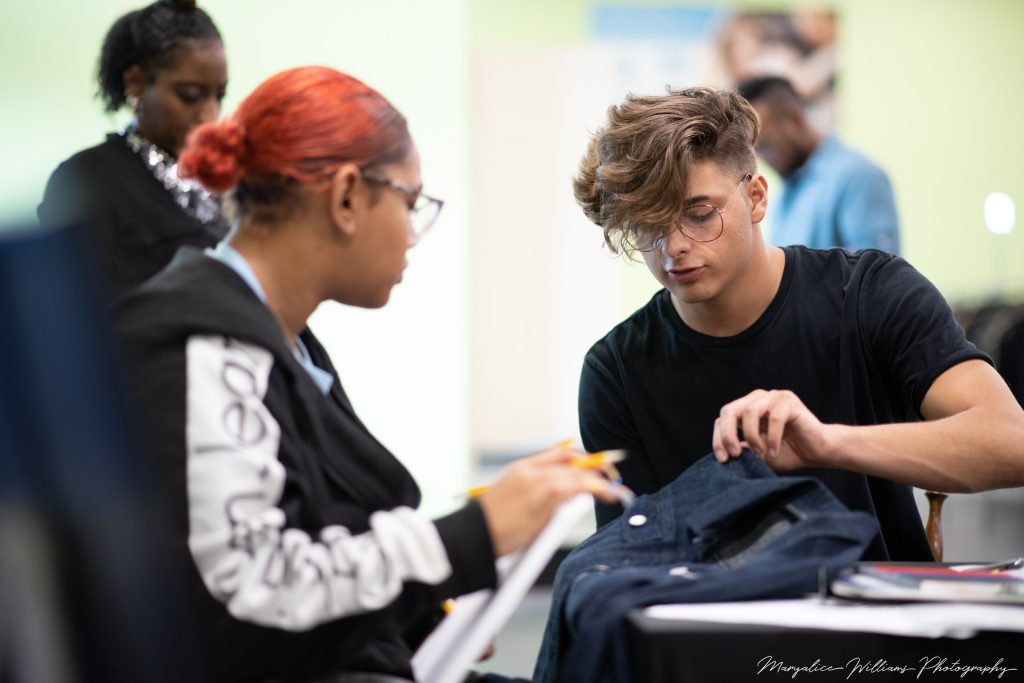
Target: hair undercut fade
(634, 175)
(149, 37)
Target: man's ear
(758, 198)
(343, 197)
(134, 79)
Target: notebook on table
(903, 583)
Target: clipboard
(451, 650)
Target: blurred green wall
(932, 89)
(415, 53)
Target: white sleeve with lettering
(265, 572)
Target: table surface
(671, 651)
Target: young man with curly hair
(848, 366)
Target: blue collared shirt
(230, 257)
(838, 198)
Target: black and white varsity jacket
(295, 528)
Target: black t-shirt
(858, 336)
(134, 225)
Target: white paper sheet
(451, 649)
(954, 620)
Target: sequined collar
(188, 194)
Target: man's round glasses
(698, 222)
(423, 209)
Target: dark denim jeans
(719, 532)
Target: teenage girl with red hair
(307, 557)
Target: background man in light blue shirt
(832, 196)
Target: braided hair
(149, 37)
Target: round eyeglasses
(423, 209)
(698, 222)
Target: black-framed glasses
(423, 209)
(698, 222)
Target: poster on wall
(687, 46)
(799, 46)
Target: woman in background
(296, 526)
(166, 63)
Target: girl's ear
(343, 197)
(134, 79)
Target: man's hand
(776, 426)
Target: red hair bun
(214, 155)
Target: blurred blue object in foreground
(85, 594)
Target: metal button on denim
(637, 520)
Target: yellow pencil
(476, 491)
(600, 460)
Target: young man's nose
(675, 242)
